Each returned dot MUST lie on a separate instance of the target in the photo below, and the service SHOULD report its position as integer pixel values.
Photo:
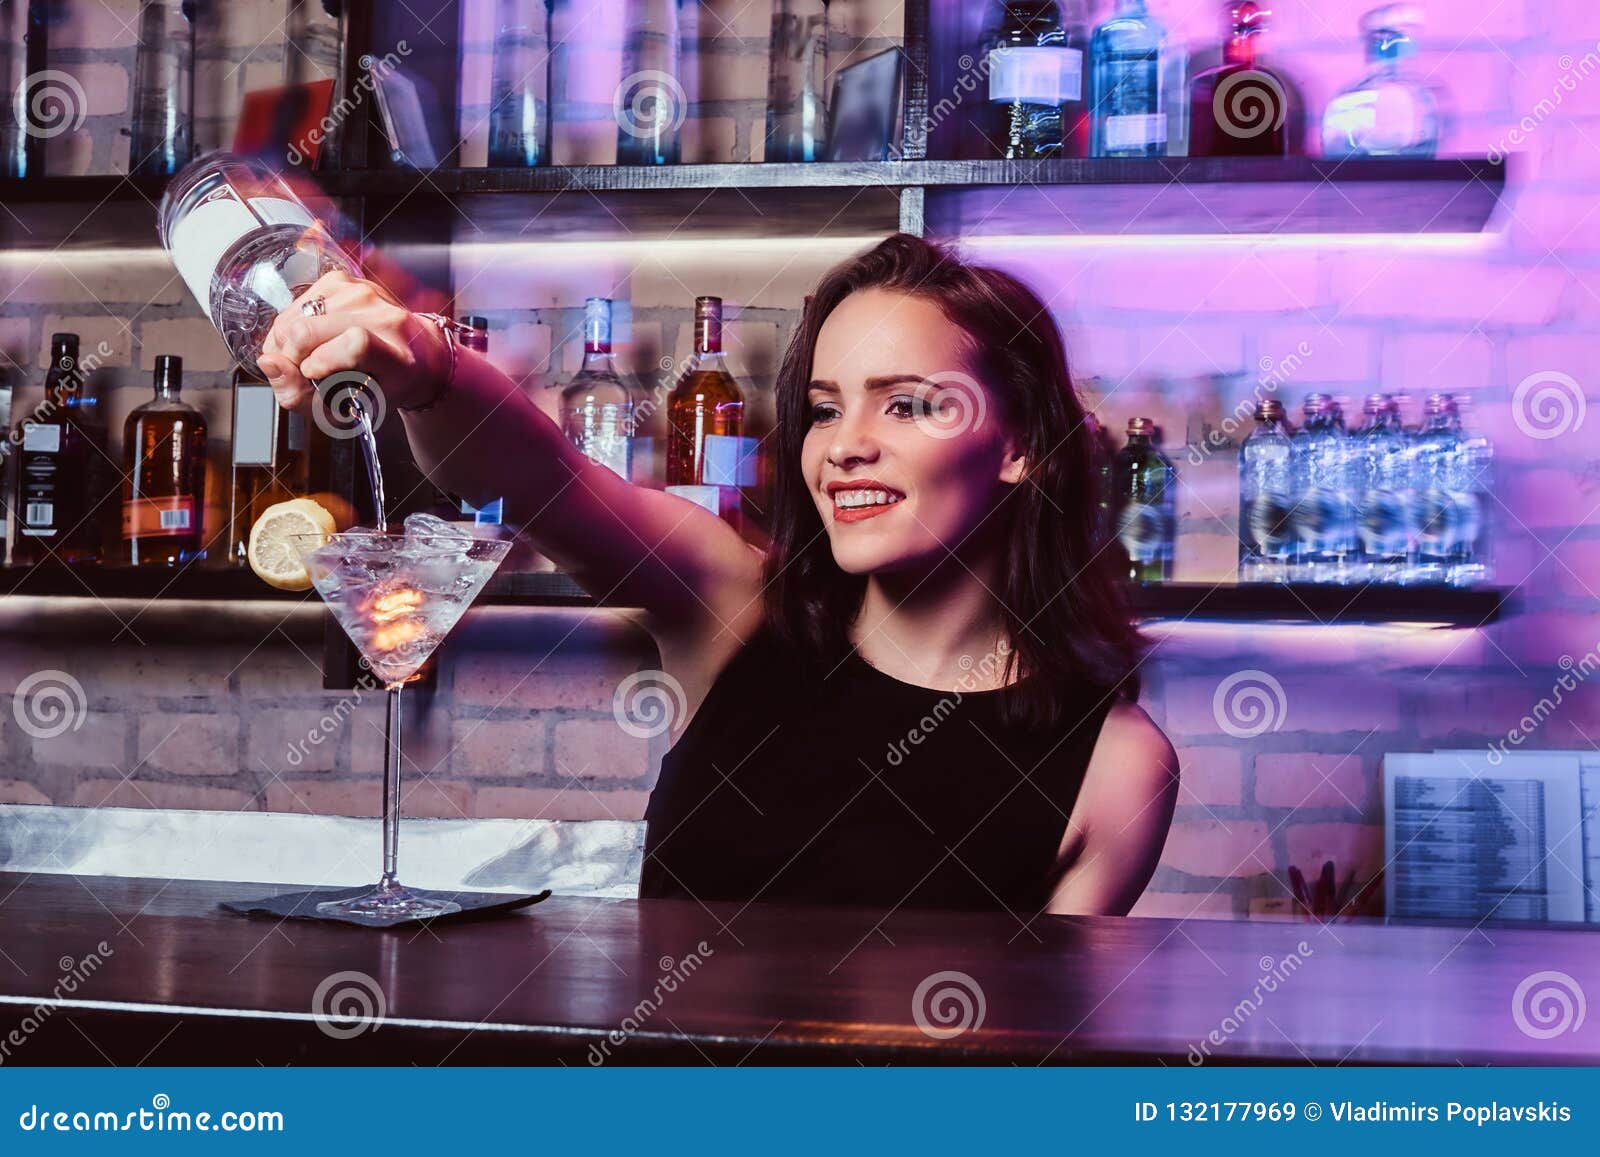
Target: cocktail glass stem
(391, 789)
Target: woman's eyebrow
(882, 382)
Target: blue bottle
(1266, 498)
(1126, 84)
(1324, 520)
(1383, 482)
(1390, 112)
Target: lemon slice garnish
(273, 554)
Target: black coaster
(303, 906)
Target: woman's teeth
(850, 499)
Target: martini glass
(397, 596)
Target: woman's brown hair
(1065, 607)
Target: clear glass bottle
(651, 102)
(1324, 514)
(597, 406)
(1241, 108)
(164, 467)
(245, 245)
(163, 89)
(1127, 76)
(1390, 112)
(1266, 504)
(1440, 485)
(1146, 495)
(1472, 563)
(1035, 67)
(519, 114)
(706, 401)
(14, 137)
(797, 81)
(1382, 456)
(66, 486)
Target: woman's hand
(364, 329)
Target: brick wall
(521, 721)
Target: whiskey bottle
(66, 487)
(705, 402)
(271, 459)
(164, 459)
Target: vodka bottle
(1126, 81)
(163, 91)
(1146, 494)
(596, 406)
(797, 81)
(1389, 112)
(1266, 532)
(1324, 518)
(650, 103)
(1035, 67)
(519, 116)
(1381, 468)
(245, 245)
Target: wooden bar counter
(582, 981)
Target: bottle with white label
(1035, 78)
(1127, 79)
(164, 467)
(65, 483)
(245, 245)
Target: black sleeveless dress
(860, 789)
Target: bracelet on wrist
(452, 331)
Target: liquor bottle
(1146, 488)
(1035, 66)
(596, 406)
(1266, 532)
(519, 115)
(1390, 112)
(162, 127)
(1127, 66)
(271, 459)
(705, 402)
(8, 473)
(65, 479)
(1324, 516)
(1382, 483)
(1440, 485)
(164, 460)
(476, 337)
(797, 81)
(1240, 108)
(650, 104)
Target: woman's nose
(852, 444)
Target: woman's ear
(1015, 467)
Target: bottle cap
(1142, 427)
(597, 324)
(169, 373)
(1246, 16)
(1315, 404)
(1269, 410)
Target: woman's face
(907, 453)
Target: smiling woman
(925, 694)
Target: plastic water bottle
(1382, 482)
(1473, 564)
(1324, 519)
(1449, 516)
(1266, 498)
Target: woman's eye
(910, 406)
(823, 412)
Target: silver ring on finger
(316, 307)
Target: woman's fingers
(355, 348)
(289, 386)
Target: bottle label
(1268, 525)
(1322, 520)
(1437, 513)
(206, 233)
(1136, 132)
(39, 514)
(41, 439)
(1142, 530)
(157, 517)
(1383, 523)
(1035, 75)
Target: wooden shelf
(1201, 602)
(1179, 195)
